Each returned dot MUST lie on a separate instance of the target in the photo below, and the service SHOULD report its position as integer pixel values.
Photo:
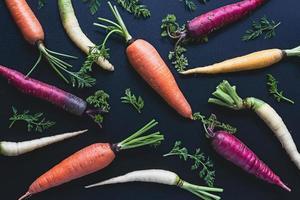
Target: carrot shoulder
(26, 21)
(148, 63)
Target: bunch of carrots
(147, 62)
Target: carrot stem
(293, 52)
(226, 96)
(136, 140)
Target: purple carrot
(235, 151)
(204, 24)
(35, 88)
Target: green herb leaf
(41, 3)
(201, 162)
(273, 89)
(99, 101)
(190, 5)
(136, 102)
(179, 60)
(213, 121)
(135, 7)
(263, 26)
(94, 5)
(169, 26)
(34, 122)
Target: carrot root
(25, 196)
(281, 184)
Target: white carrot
(227, 96)
(18, 148)
(162, 177)
(75, 33)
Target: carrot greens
(34, 122)
(41, 3)
(212, 120)
(200, 161)
(99, 101)
(136, 102)
(258, 28)
(190, 4)
(135, 7)
(273, 90)
(94, 5)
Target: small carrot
(235, 151)
(91, 159)
(162, 177)
(33, 33)
(145, 59)
(75, 33)
(252, 61)
(226, 96)
(49, 93)
(19, 148)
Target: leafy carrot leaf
(263, 26)
(136, 102)
(212, 120)
(200, 161)
(100, 102)
(179, 60)
(273, 89)
(94, 5)
(135, 7)
(190, 5)
(34, 122)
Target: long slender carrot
(252, 61)
(72, 27)
(33, 33)
(145, 59)
(91, 159)
(19, 148)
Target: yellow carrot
(252, 61)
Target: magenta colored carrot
(52, 94)
(204, 24)
(235, 151)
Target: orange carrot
(91, 159)
(252, 61)
(26, 21)
(33, 32)
(148, 63)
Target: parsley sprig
(99, 101)
(200, 161)
(212, 120)
(190, 4)
(136, 102)
(135, 7)
(263, 26)
(41, 3)
(273, 89)
(34, 122)
(94, 5)
(179, 60)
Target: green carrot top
(227, 96)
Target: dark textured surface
(17, 173)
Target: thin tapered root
(25, 196)
(281, 184)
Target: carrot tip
(25, 196)
(281, 184)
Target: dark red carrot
(206, 23)
(46, 92)
(201, 26)
(235, 151)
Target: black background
(17, 173)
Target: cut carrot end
(281, 184)
(25, 196)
